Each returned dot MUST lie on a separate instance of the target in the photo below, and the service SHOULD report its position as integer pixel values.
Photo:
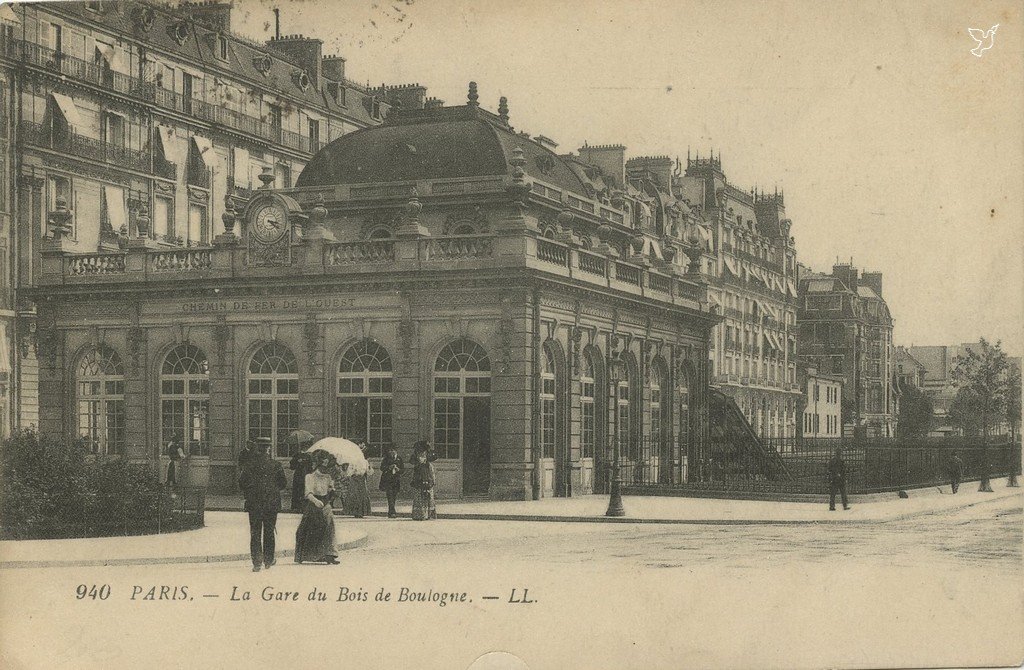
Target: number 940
(92, 592)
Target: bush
(52, 489)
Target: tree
(964, 413)
(1013, 391)
(915, 413)
(982, 375)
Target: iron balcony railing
(102, 76)
(81, 146)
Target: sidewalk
(683, 510)
(224, 538)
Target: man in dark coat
(956, 471)
(391, 467)
(837, 480)
(261, 482)
(247, 452)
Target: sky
(896, 147)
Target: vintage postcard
(511, 335)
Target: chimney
(873, 280)
(333, 68)
(305, 52)
(216, 15)
(660, 168)
(408, 96)
(847, 274)
(433, 103)
(611, 158)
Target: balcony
(124, 84)
(89, 148)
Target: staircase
(735, 448)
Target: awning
(114, 196)
(792, 288)
(109, 54)
(714, 298)
(67, 108)
(204, 148)
(169, 144)
(241, 167)
(8, 16)
(731, 265)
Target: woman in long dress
(314, 540)
(357, 491)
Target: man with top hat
(261, 482)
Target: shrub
(54, 489)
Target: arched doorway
(462, 411)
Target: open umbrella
(345, 451)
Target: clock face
(269, 223)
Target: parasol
(346, 451)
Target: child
(423, 481)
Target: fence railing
(85, 147)
(166, 511)
(802, 466)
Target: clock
(269, 223)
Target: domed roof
(441, 143)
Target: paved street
(899, 592)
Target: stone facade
(846, 329)
(476, 302)
(821, 404)
(751, 262)
(144, 117)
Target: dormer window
(222, 47)
(375, 107)
(301, 79)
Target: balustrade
(368, 251)
(182, 260)
(551, 252)
(592, 263)
(659, 282)
(96, 264)
(459, 246)
(627, 273)
(85, 147)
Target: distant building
(909, 370)
(753, 273)
(938, 363)
(821, 404)
(146, 112)
(846, 329)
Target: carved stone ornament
(472, 216)
(136, 338)
(221, 337)
(311, 338)
(144, 17)
(577, 347)
(262, 63)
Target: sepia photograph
(522, 335)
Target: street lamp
(616, 373)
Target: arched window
(100, 381)
(588, 427)
(548, 416)
(380, 233)
(185, 400)
(272, 381)
(464, 229)
(654, 381)
(364, 395)
(462, 375)
(549, 233)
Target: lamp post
(615, 508)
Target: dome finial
(503, 109)
(473, 97)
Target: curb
(164, 560)
(839, 519)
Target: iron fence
(132, 513)
(799, 466)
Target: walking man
(956, 471)
(261, 482)
(391, 467)
(837, 480)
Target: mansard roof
(438, 143)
